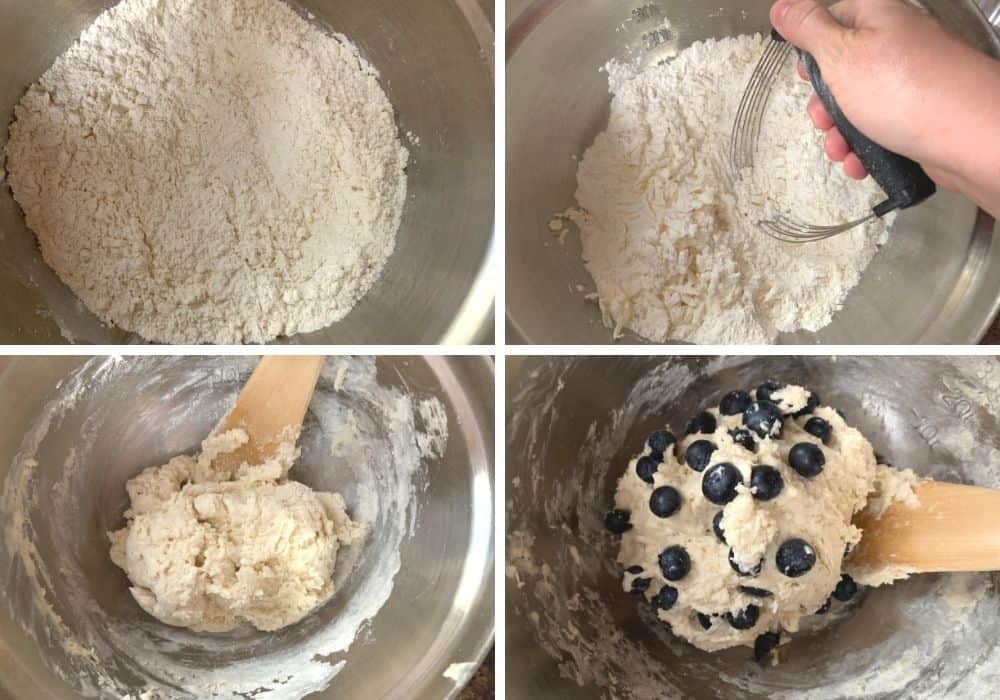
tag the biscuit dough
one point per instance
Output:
(209, 549)
(816, 509)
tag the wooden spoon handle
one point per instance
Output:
(273, 401)
(955, 528)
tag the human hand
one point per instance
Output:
(905, 82)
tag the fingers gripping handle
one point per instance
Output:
(903, 180)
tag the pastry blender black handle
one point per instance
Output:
(904, 182)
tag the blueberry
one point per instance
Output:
(766, 391)
(666, 598)
(617, 521)
(646, 467)
(765, 644)
(807, 459)
(719, 483)
(846, 589)
(639, 585)
(675, 563)
(659, 442)
(704, 620)
(812, 403)
(764, 418)
(740, 570)
(825, 607)
(717, 527)
(743, 437)
(634, 569)
(664, 501)
(818, 427)
(699, 454)
(743, 619)
(704, 422)
(795, 557)
(765, 482)
(734, 402)
(756, 592)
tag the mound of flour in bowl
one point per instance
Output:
(674, 252)
(210, 172)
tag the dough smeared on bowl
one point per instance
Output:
(739, 529)
(211, 549)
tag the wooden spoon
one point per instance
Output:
(270, 407)
(955, 528)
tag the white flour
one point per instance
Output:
(210, 172)
(671, 249)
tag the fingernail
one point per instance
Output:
(781, 9)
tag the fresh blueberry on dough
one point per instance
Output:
(818, 427)
(812, 403)
(704, 422)
(717, 527)
(699, 454)
(764, 418)
(634, 569)
(766, 482)
(617, 521)
(646, 467)
(666, 598)
(734, 403)
(846, 588)
(807, 459)
(744, 438)
(675, 563)
(765, 644)
(720, 482)
(659, 442)
(767, 390)
(664, 501)
(737, 537)
(795, 558)
(743, 619)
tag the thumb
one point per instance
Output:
(807, 24)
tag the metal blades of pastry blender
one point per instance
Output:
(743, 145)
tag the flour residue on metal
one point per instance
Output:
(113, 417)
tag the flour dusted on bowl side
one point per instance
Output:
(671, 244)
(210, 172)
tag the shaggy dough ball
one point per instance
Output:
(209, 549)
(740, 529)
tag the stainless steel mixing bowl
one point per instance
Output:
(435, 61)
(573, 424)
(936, 281)
(94, 424)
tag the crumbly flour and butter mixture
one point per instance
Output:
(673, 247)
(209, 548)
(739, 530)
(215, 172)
